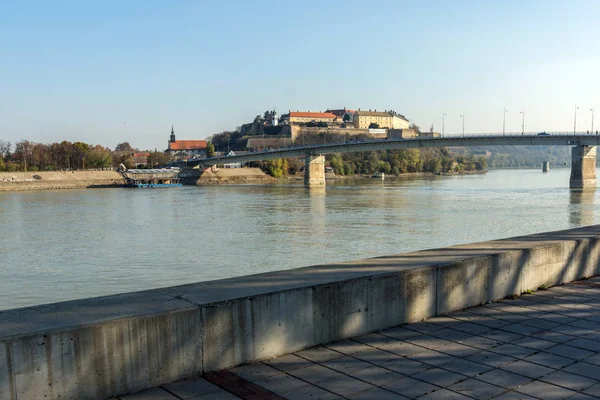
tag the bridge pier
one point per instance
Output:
(314, 170)
(583, 167)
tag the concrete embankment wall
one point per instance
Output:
(47, 180)
(96, 348)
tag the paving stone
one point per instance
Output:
(376, 356)
(347, 364)
(573, 330)
(513, 396)
(569, 381)
(471, 328)
(491, 359)
(281, 384)
(315, 373)
(377, 394)
(151, 394)
(377, 376)
(585, 324)
(451, 335)
(558, 318)
(220, 395)
(593, 391)
(581, 396)
(468, 368)
(313, 393)
(521, 329)
(534, 343)
(402, 348)
(528, 369)
(569, 352)
(477, 389)
(546, 391)
(375, 340)
(585, 344)
(432, 357)
(504, 379)
(254, 372)
(443, 321)
(399, 333)
(550, 360)
(458, 350)
(595, 359)
(443, 394)
(193, 387)
(481, 342)
(512, 317)
(345, 386)
(502, 336)
(439, 377)
(584, 369)
(406, 366)
(423, 327)
(428, 342)
(410, 387)
(288, 362)
(493, 323)
(319, 354)
(513, 351)
(348, 346)
(540, 323)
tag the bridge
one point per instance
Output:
(583, 169)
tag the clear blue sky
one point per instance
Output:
(110, 71)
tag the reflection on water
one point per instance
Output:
(581, 207)
(60, 245)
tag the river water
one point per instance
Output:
(69, 244)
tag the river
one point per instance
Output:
(68, 244)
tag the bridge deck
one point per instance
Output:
(543, 345)
(559, 139)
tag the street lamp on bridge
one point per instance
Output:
(523, 123)
(443, 115)
(575, 120)
(592, 110)
(463, 123)
(504, 121)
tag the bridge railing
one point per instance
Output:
(453, 136)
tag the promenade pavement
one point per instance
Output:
(543, 345)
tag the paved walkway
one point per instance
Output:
(544, 345)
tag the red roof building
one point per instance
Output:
(183, 149)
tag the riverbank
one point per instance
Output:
(51, 180)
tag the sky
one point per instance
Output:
(105, 72)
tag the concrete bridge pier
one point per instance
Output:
(314, 170)
(583, 167)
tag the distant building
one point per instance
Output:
(184, 149)
(140, 159)
(298, 117)
(344, 114)
(234, 164)
(385, 119)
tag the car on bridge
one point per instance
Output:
(543, 134)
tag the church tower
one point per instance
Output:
(275, 120)
(172, 140)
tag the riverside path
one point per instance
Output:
(542, 345)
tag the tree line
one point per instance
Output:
(30, 156)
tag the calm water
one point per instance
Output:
(68, 244)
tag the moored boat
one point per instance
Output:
(151, 178)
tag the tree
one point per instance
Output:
(98, 157)
(210, 149)
(373, 125)
(346, 117)
(157, 158)
(125, 146)
(415, 128)
(276, 168)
